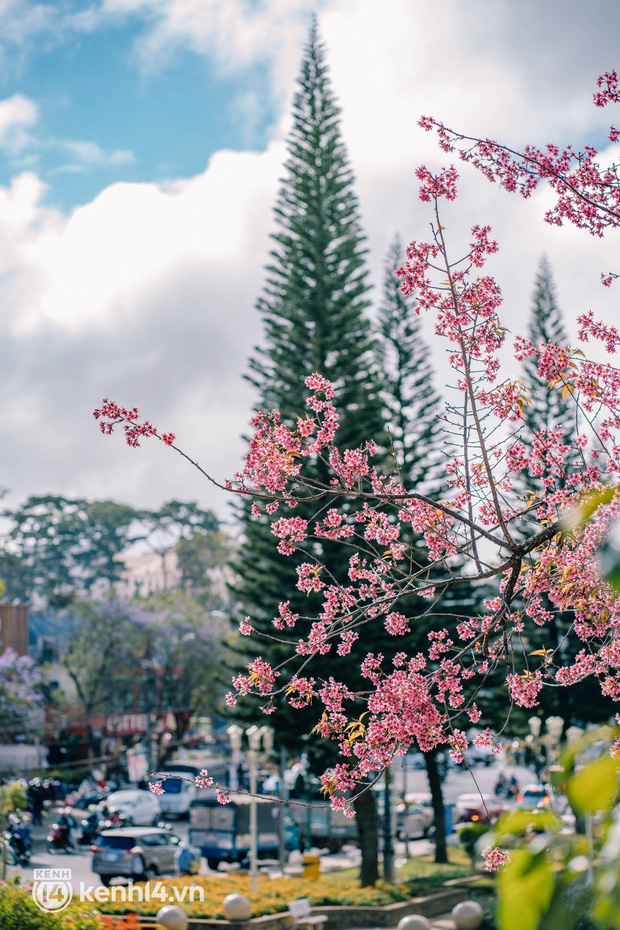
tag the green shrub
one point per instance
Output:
(469, 836)
(18, 911)
(12, 797)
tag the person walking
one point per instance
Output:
(187, 859)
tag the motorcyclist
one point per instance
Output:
(34, 795)
(66, 823)
(20, 833)
(90, 827)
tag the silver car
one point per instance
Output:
(140, 853)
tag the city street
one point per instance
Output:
(79, 862)
(456, 782)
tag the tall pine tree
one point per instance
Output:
(316, 294)
(313, 309)
(548, 409)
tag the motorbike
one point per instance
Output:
(59, 839)
(90, 828)
(110, 818)
(506, 789)
(19, 843)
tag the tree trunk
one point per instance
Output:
(389, 869)
(365, 807)
(434, 782)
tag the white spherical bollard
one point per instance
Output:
(467, 915)
(413, 922)
(237, 907)
(172, 917)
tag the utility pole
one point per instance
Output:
(389, 872)
(283, 796)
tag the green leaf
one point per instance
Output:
(592, 500)
(525, 889)
(594, 788)
(525, 821)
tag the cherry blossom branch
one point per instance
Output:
(470, 388)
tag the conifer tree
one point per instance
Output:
(316, 295)
(313, 308)
(547, 408)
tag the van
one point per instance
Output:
(178, 792)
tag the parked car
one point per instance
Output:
(475, 755)
(140, 853)
(415, 816)
(531, 796)
(477, 808)
(136, 807)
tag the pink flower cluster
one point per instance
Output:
(112, 414)
(494, 858)
(588, 195)
(203, 780)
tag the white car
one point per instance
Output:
(139, 808)
(478, 808)
(416, 816)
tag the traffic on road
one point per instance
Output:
(125, 835)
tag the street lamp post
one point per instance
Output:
(234, 735)
(389, 873)
(255, 735)
(552, 738)
(535, 724)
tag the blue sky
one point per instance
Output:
(145, 291)
(105, 116)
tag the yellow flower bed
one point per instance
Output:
(272, 897)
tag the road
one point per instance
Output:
(79, 862)
(458, 781)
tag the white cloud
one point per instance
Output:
(17, 115)
(146, 295)
(91, 154)
(133, 237)
(236, 33)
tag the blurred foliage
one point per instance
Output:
(12, 797)
(272, 896)
(18, 911)
(469, 836)
(557, 880)
(58, 549)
